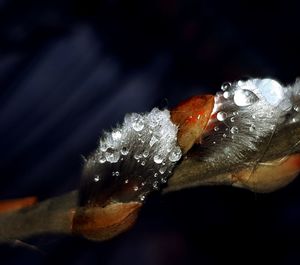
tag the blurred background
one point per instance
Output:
(70, 69)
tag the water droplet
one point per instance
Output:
(137, 122)
(214, 142)
(142, 197)
(271, 90)
(216, 128)
(226, 94)
(155, 175)
(296, 108)
(137, 156)
(226, 86)
(103, 146)
(294, 120)
(232, 119)
(143, 184)
(124, 151)
(154, 117)
(224, 135)
(155, 185)
(112, 155)
(252, 128)
(244, 97)
(116, 135)
(175, 154)
(221, 116)
(164, 180)
(126, 181)
(162, 170)
(102, 159)
(158, 159)
(143, 163)
(115, 173)
(96, 178)
(234, 130)
(135, 188)
(153, 141)
(254, 116)
(146, 153)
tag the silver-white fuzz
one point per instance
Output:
(140, 154)
(248, 113)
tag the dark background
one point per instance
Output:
(69, 69)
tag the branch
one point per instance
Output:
(273, 162)
(193, 172)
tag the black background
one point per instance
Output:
(69, 69)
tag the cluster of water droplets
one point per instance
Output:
(141, 152)
(246, 112)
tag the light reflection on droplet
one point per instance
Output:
(221, 116)
(234, 130)
(244, 97)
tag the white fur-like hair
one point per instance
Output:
(248, 113)
(131, 160)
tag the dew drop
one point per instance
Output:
(216, 128)
(244, 97)
(143, 163)
(142, 197)
(155, 185)
(96, 178)
(116, 135)
(234, 130)
(154, 117)
(124, 151)
(175, 154)
(296, 108)
(158, 159)
(116, 173)
(224, 135)
(232, 119)
(164, 180)
(153, 141)
(162, 170)
(155, 175)
(126, 181)
(103, 146)
(146, 153)
(226, 94)
(102, 159)
(252, 128)
(137, 122)
(135, 188)
(137, 156)
(221, 116)
(225, 86)
(112, 155)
